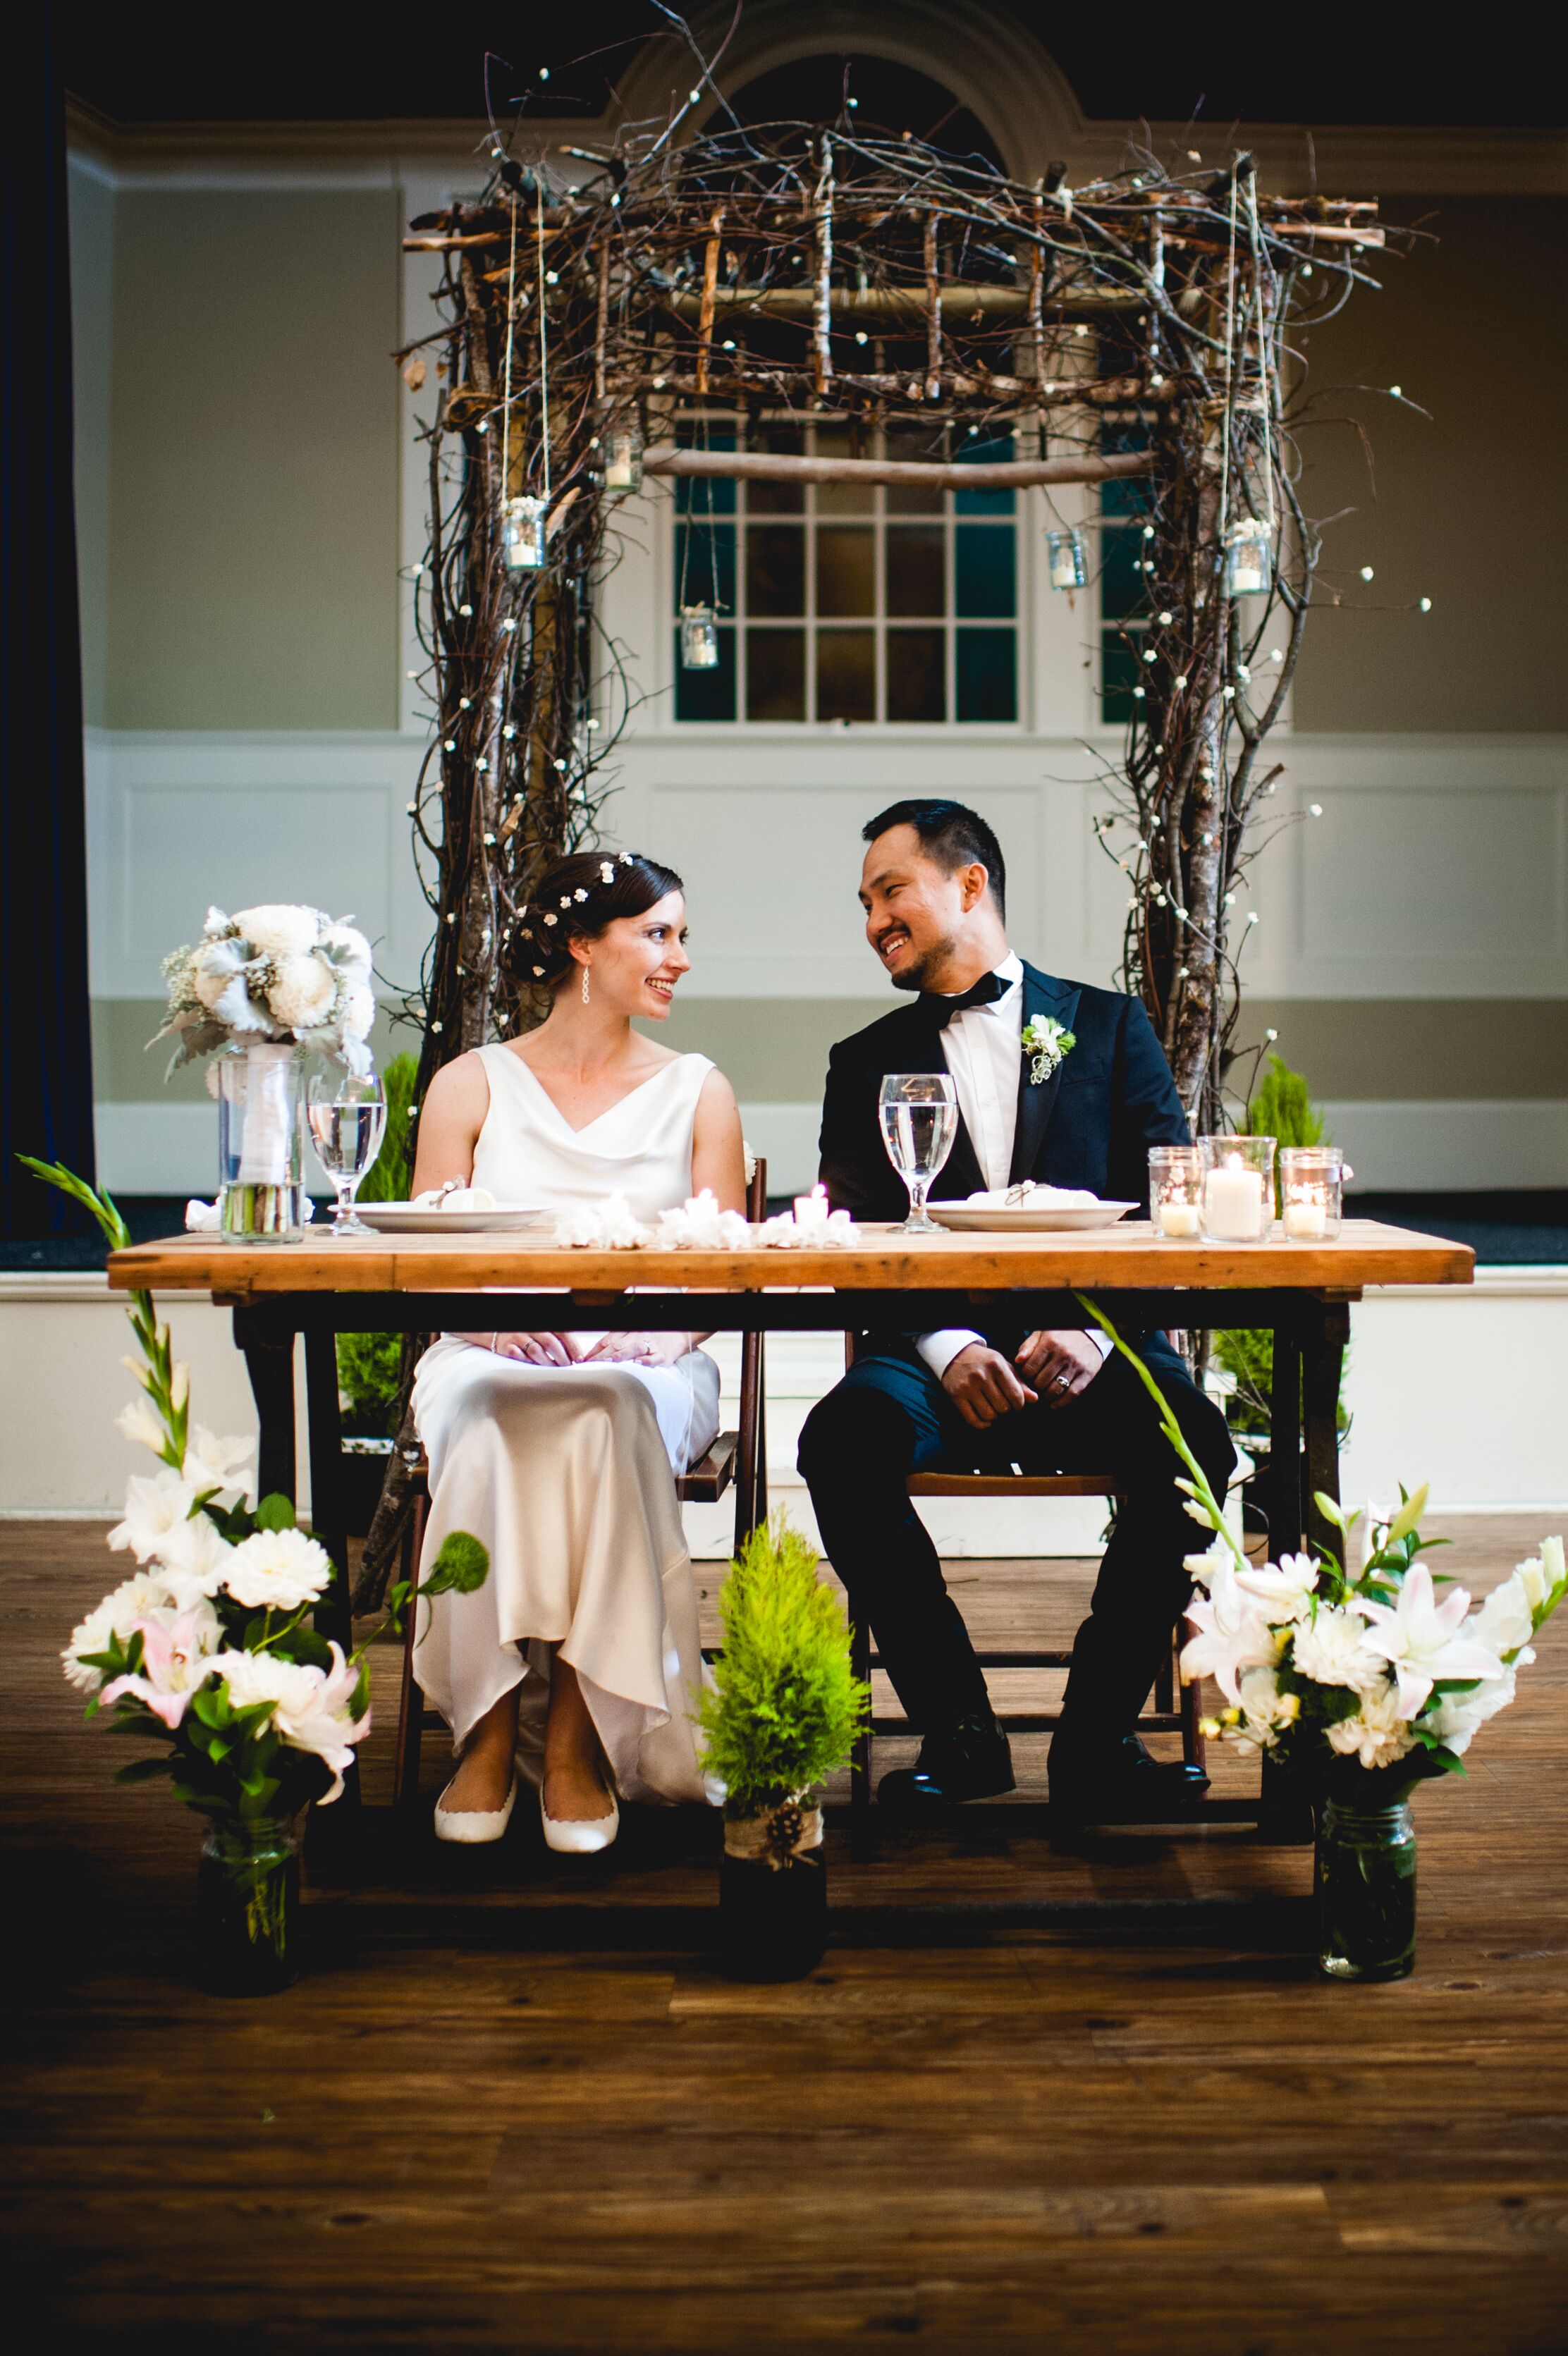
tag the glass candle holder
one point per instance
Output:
(523, 534)
(1063, 552)
(623, 465)
(1248, 559)
(699, 639)
(1238, 1188)
(1312, 1191)
(1175, 1191)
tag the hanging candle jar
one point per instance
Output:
(623, 466)
(699, 639)
(523, 534)
(1248, 559)
(1064, 552)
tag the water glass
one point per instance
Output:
(1175, 1191)
(1312, 1185)
(348, 1117)
(1238, 1188)
(920, 1122)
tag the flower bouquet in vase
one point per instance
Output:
(204, 1652)
(1360, 1681)
(783, 1713)
(266, 986)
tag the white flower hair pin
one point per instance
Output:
(1047, 1043)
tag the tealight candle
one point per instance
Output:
(1180, 1219)
(1307, 1222)
(812, 1210)
(1233, 1203)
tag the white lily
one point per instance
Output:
(1458, 1717)
(118, 1614)
(1506, 1621)
(1284, 1589)
(1422, 1639)
(153, 1508)
(311, 1705)
(1230, 1635)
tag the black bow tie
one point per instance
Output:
(983, 992)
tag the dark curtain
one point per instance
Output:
(46, 1059)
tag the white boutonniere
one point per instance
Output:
(1046, 1042)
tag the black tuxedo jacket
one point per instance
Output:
(1090, 1124)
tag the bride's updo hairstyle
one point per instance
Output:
(578, 899)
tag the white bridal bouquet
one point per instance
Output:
(279, 973)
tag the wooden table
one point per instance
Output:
(888, 1282)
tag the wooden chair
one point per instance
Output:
(737, 1459)
(1169, 1715)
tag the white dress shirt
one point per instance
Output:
(983, 1046)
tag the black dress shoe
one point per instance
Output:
(1119, 1783)
(969, 1760)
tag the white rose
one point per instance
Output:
(277, 930)
(303, 992)
(277, 1570)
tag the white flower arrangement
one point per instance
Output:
(698, 1225)
(1333, 1670)
(276, 972)
(1047, 1043)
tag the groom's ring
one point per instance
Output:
(1061, 1383)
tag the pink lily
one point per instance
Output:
(177, 1657)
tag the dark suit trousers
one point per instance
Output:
(890, 1417)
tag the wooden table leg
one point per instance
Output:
(268, 1350)
(328, 1514)
(1323, 1361)
(1285, 1445)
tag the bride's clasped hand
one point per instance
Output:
(579, 1659)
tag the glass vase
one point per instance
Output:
(1364, 1885)
(247, 1895)
(261, 1152)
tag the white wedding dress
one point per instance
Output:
(565, 1474)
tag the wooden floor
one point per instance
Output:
(1028, 2101)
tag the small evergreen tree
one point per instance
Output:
(787, 1708)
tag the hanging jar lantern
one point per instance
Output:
(699, 639)
(1248, 559)
(523, 534)
(1064, 550)
(623, 466)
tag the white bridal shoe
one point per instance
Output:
(579, 1840)
(475, 1824)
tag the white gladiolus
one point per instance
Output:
(277, 1570)
(153, 1508)
(301, 993)
(118, 1614)
(1542, 1573)
(142, 1422)
(1505, 1622)
(193, 1561)
(214, 1464)
(1230, 1635)
(1378, 1734)
(179, 1383)
(1332, 1649)
(276, 930)
(1283, 1588)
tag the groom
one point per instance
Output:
(934, 887)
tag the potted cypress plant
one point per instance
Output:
(783, 1713)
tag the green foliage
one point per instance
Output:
(1283, 1108)
(387, 1179)
(369, 1365)
(786, 1709)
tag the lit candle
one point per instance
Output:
(1233, 1203)
(1307, 1220)
(1246, 576)
(1180, 1220)
(812, 1210)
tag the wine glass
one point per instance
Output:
(348, 1115)
(920, 1122)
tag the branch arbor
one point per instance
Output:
(1134, 335)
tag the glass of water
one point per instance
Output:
(348, 1116)
(919, 1122)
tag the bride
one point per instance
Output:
(580, 1652)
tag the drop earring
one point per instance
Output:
(584, 985)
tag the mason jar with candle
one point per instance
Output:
(623, 464)
(1312, 1192)
(699, 639)
(1175, 1191)
(1063, 552)
(1238, 1188)
(523, 534)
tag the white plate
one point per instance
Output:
(409, 1219)
(980, 1218)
